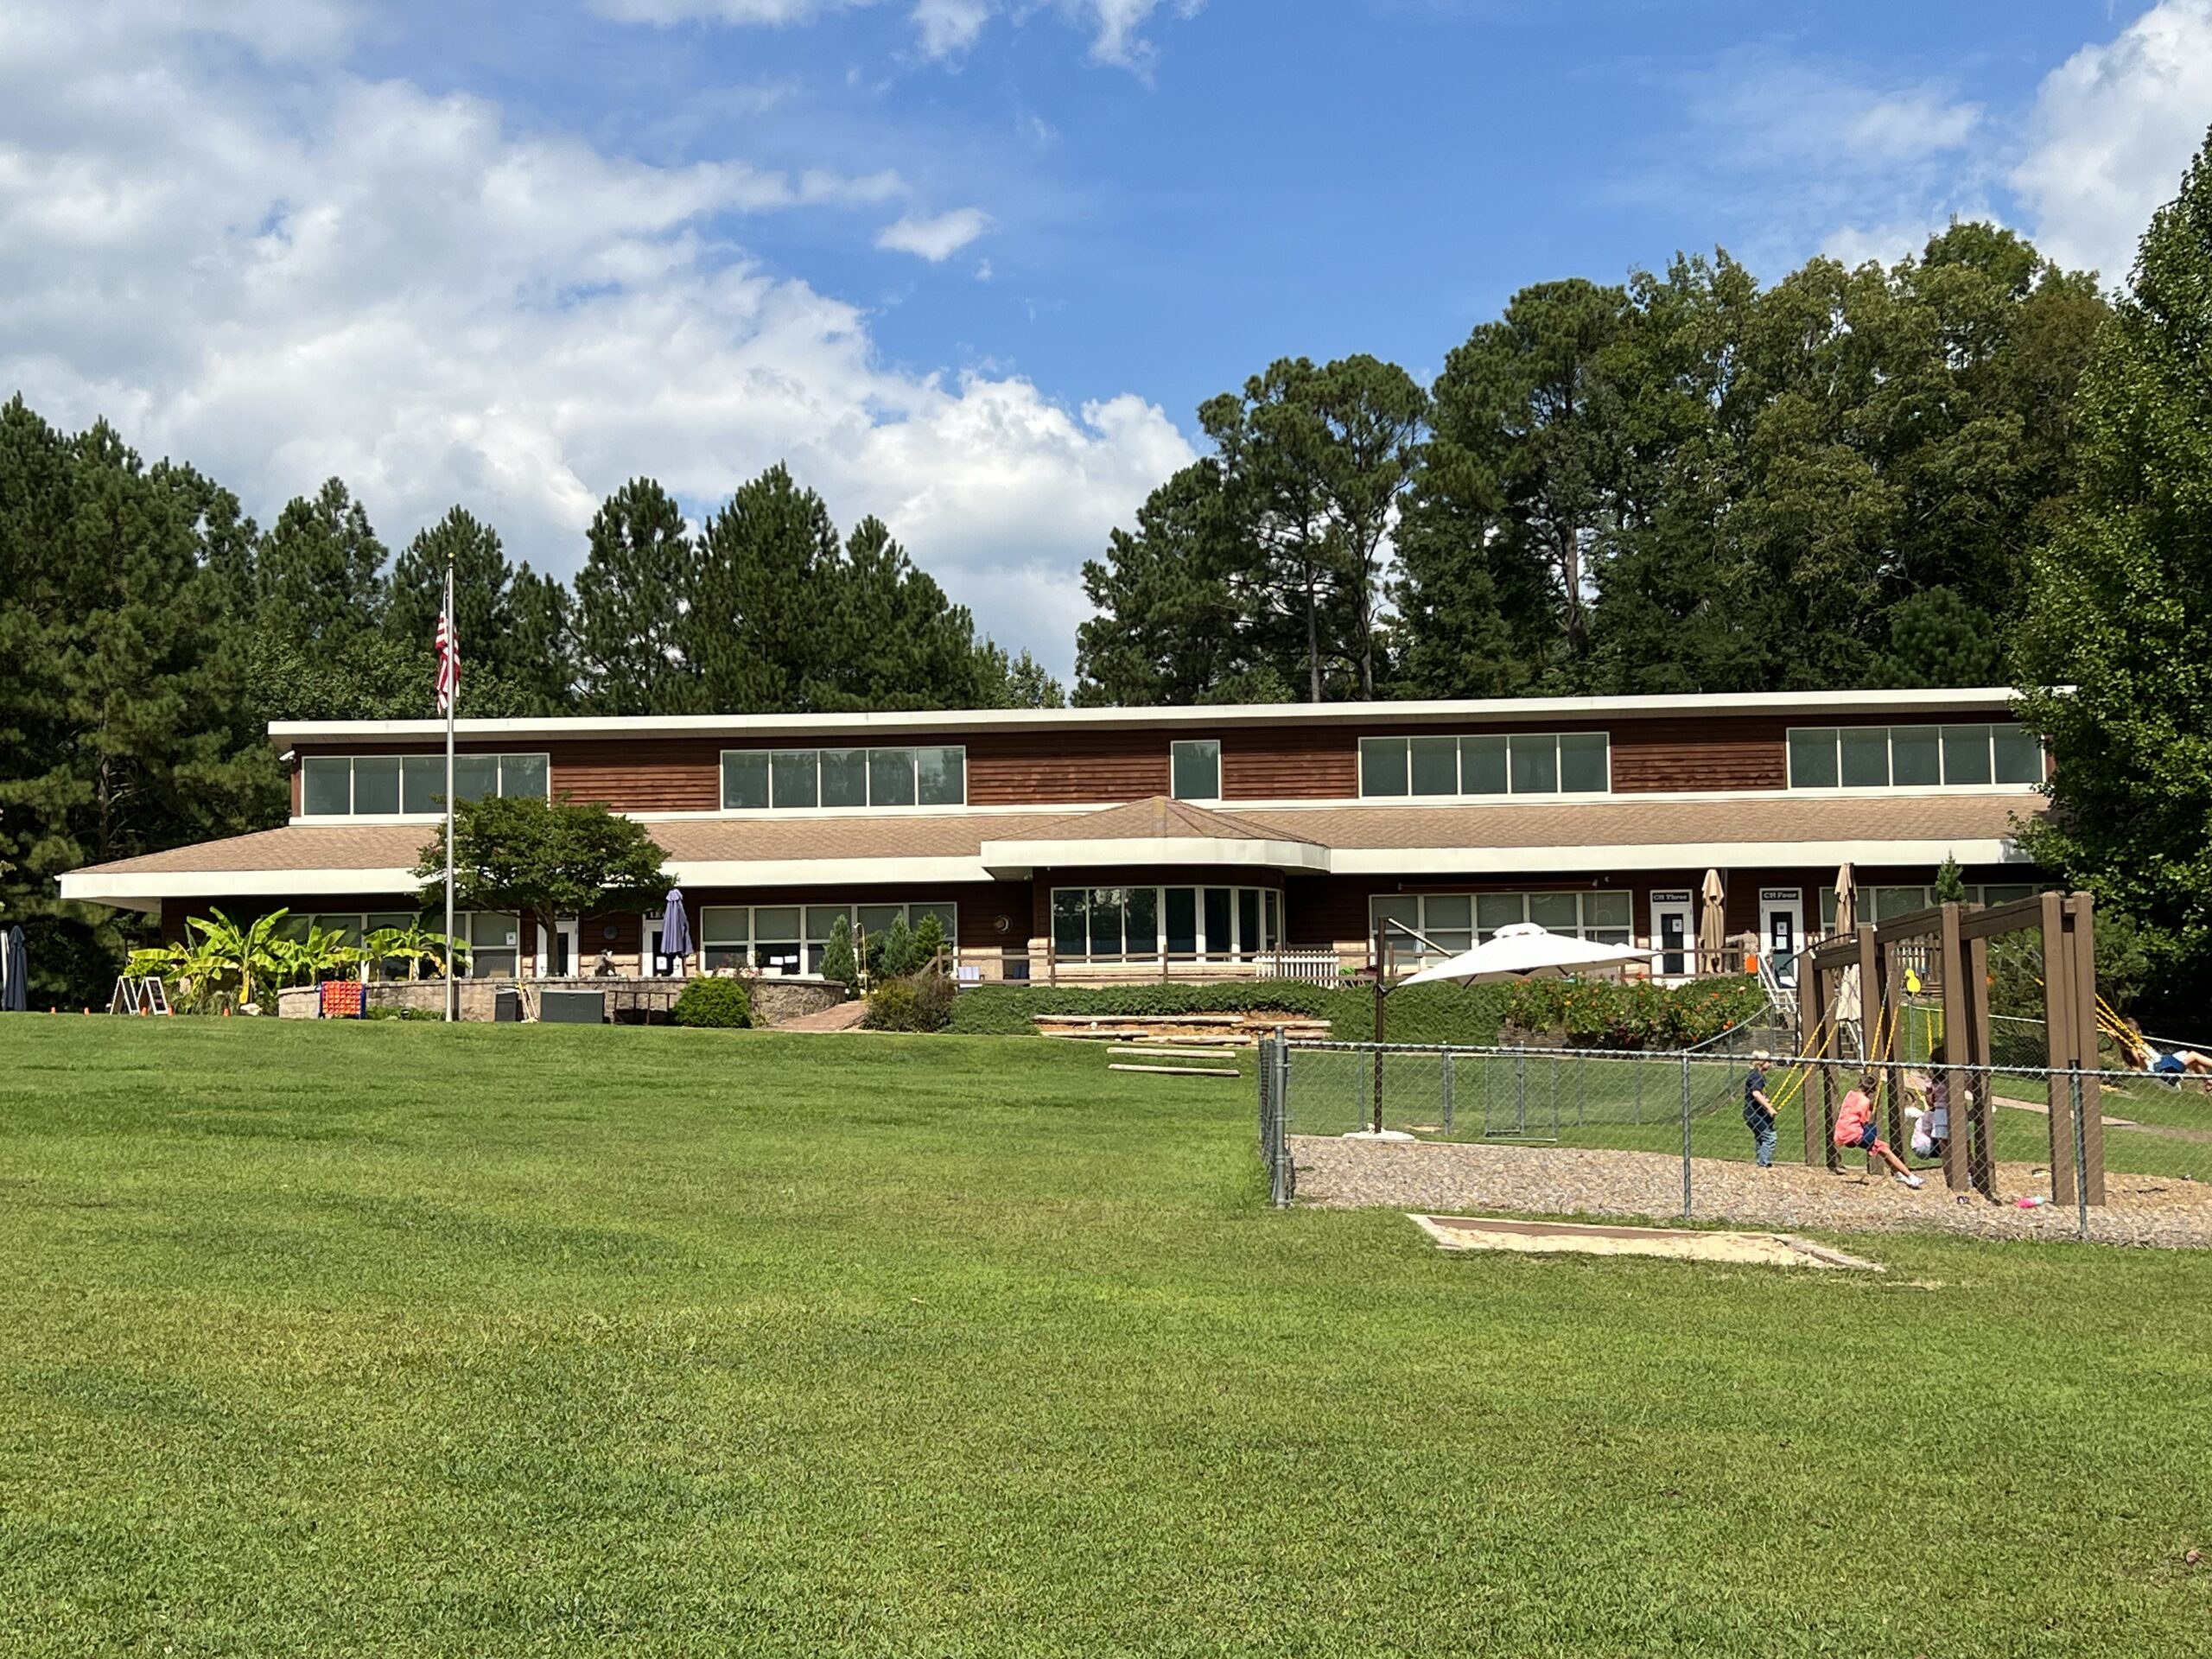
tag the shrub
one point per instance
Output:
(1607, 1014)
(837, 962)
(389, 1012)
(917, 1003)
(717, 1004)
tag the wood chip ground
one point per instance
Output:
(1336, 1173)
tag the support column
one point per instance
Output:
(2060, 1047)
(1952, 965)
(1808, 1038)
(2081, 908)
(1974, 1125)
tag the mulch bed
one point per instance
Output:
(1439, 1175)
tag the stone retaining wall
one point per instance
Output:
(774, 1000)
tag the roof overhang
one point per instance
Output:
(1547, 860)
(144, 890)
(1014, 860)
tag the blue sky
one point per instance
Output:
(968, 264)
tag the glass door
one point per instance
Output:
(1673, 933)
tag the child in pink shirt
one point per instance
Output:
(1855, 1129)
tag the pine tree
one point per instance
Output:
(318, 573)
(2114, 642)
(837, 962)
(122, 724)
(630, 601)
(757, 626)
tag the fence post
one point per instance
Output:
(1638, 1069)
(1447, 1091)
(1520, 1094)
(1686, 1137)
(2083, 1104)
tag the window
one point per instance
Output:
(494, 945)
(794, 938)
(367, 786)
(1539, 763)
(760, 780)
(1453, 922)
(1912, 757)
(1887, 904)
(1137, 923)
(1195, 770)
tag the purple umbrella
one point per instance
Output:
(675, 928)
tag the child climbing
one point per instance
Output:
(1855, 1129)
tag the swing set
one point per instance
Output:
(1859, 992)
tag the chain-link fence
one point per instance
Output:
(1811, 1142)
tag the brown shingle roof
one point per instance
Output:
(1616, 823)
(1156, 818)
(1629, 822)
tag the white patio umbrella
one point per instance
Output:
(1523, 951)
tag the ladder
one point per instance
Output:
(146, 995)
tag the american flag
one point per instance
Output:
(448, 661)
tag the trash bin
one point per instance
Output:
(572, 1008)
(506, 1004)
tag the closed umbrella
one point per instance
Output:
(14, 981)
(1846, 901)
(1524, 950)
(676, 930)
(1712, 923)
(1848, 1009)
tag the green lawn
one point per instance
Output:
(392, 1339)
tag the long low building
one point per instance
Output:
(1101, 843)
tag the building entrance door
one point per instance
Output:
(1781, 930)
(1674, 933)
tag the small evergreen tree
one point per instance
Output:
(928, 941)
(898, 950)
(837, 962)
(1950, 883)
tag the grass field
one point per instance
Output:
(335, 1339)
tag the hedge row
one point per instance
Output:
(1424, 1013)
(1606, 1014)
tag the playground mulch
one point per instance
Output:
(1335, 1173)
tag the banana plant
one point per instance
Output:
(415, 945)
(246, 957)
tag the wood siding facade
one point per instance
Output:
(1085, 766)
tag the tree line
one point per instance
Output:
(1686, 482)
(150, 629)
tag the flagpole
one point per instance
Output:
(452, 703)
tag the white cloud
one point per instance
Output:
(946, 29)
(934, 239)
(950, 27)
(2112, 130)
(1785, 155)
(776, 13)
(1114, 25)
(281, 277)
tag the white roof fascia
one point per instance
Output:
(1744, 856)
(144, 890)
(1210, 851)
(1489, 711)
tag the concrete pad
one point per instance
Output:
(1676, 1243)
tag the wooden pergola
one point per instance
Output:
(1950, 945)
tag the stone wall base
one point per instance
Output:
(774, 1000)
